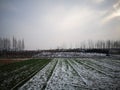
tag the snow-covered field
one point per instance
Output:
(76, 74)
(68, 54)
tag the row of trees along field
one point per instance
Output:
(13, 44)
(108, 44)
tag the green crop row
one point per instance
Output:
(11, 75)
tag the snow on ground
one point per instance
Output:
(64, 77)
(40, 79)
(76, 74)
(69, 54)
(95, 78)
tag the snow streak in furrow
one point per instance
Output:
(111, 62)
(98, 79)
(74, 67)
(108, 67)
(105, 65)
(112, 70)
(73, 74)
(40, 79)
(64, 77)
(97, 68)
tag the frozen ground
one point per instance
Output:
(77, 74)
(68, 54)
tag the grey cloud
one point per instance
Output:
(113, 13)
(50, 23)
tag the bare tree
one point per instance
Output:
(14, 44)
(23, 45)
(19, 45)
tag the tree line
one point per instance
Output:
(108, 44)
(7, 44)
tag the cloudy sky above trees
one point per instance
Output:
(48, 24)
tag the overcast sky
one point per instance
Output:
(48, 24)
